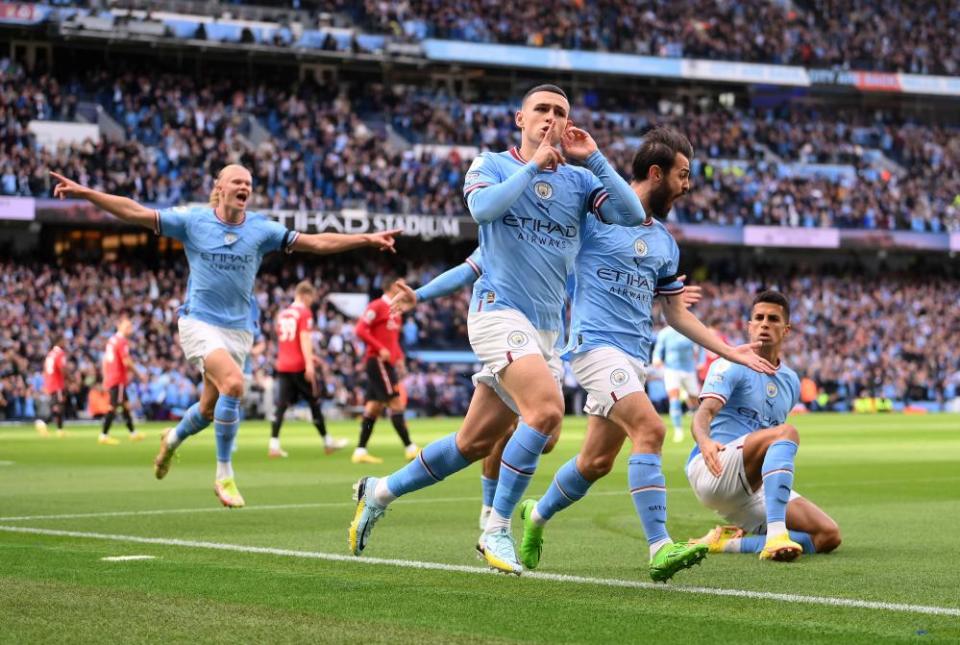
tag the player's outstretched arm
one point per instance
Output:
(623, 206)
(681, 319)
(120, 207)
(444, 284)
(328, 243)
(489, 202)
(702, 418)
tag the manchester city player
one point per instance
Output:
(531, 206)
(619, 271)
(224, 244)
(678, 356)
(742, 466)
(446, 283)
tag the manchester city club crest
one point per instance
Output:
(517, 339)
(771, 390)
(544, 190)
(618, 377)
(229, 238)
(640, 247)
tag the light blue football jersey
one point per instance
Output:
(751, 400)
(529, 250)
(676, 350)
(257, 333)
(224, 259)
(618, 272)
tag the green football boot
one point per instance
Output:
(675, 557)
(531, 544)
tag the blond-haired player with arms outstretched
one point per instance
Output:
(225, 244)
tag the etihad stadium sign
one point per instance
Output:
(427, 227)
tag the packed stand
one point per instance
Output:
(854, 335)
(322, 153)
(920, 38)
(84, 302)
(858, 335)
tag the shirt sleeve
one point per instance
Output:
(796, 392)
(278, 237)
(611, 198)
(722, 379)
(306, 322)
(475, 260)
(667, 282)
(172, 222)
(363, 330)
(487, 195)
(449, 281)
(123, 353)
(482, 173)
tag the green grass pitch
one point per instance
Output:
(892, 483)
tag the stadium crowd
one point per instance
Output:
(323, 151)
(886, 335)
(919, 38)
(913, 37)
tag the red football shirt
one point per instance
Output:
(379, 329)
(704, 367)
(53, 370)
(116, 357)
(291, 322)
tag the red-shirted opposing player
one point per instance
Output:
(53, 384)
(296, 370)
(117, 367)
(379, 329)
(710, 357)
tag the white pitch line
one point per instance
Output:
(6, 463)
(437, 566)
(246, 509)
(127, 558)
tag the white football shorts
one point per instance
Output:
(499, 338)
(729, 494)
(199, 339)
(679, 380)
(608, 375)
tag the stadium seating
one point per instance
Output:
(914, 37)
(315, 150)
(847, 352)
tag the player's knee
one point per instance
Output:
(656, 431)
(232, 386)
(476, 448)
(206, 409)
(827, 539)
(547, 418)
(596, 466)
(551, 443)
(789, 433)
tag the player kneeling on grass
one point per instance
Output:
(742, 466)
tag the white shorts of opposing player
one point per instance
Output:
(680, 380)
(729, 494)
(501, 337)
(199, 339)
(608, 375)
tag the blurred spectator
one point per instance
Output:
(323, 155)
